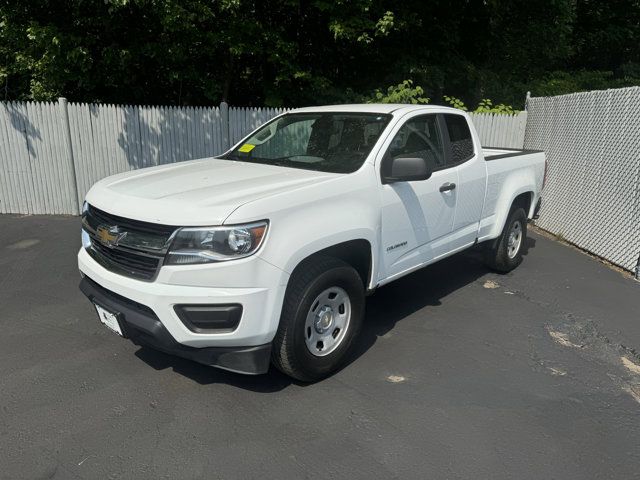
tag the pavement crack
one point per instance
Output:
(634, 391)
(562, 339)
(490, 284)
(630, 365)
(583, 336)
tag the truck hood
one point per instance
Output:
(199, 192)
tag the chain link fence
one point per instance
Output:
(592, 195)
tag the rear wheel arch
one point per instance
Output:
(505, 253)
(524, 201)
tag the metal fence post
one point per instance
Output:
(226, 138)
(64, 116)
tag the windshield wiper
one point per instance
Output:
(278, 162)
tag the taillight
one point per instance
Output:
(546, 168)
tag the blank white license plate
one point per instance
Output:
(109, 319)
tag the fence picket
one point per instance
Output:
(35, 168)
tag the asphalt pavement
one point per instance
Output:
(459, 373)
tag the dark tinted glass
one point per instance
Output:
(460, 137)
(419, 137)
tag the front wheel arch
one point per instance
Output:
(358, 253)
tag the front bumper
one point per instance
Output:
(254, 284)
(140, 324)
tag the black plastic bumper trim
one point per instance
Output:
(140, 325)
(536, 211)
(214, 318)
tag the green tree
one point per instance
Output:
(299, 52)
(404, 92)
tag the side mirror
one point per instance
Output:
(407, 169)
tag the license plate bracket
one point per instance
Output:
(109, 319)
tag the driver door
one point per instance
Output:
(418, 216)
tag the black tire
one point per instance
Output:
(290, 353)
(497, 256)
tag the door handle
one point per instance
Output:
(445, 187)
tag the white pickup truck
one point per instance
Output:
(265, 254)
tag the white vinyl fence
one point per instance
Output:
(592, 143)
(52, 152)
(504, 131)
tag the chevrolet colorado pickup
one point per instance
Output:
(265, 254)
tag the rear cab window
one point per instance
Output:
(460, 138)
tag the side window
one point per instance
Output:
(419, 137)
(460, 137)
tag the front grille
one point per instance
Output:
(125, 262)
(140, 249)
(102, 217)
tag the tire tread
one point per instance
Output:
(496, 256)
(282, 353)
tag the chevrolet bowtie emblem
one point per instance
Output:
(110, 236)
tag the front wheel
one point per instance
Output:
(322, 314)
(505, 253)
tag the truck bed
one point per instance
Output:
(509, 170)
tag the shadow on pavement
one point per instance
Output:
(389, 305)
(273, 381)
(425, 287)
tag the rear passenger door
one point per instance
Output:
(472, 176)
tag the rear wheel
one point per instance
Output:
(322, 314)
(505, 253)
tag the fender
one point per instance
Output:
(335, 241)
(502, 189)
(503, 213)
(308, 220)
(288, 255)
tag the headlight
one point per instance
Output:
(215, 244)
(86, 239)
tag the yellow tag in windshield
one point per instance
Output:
(246, 148)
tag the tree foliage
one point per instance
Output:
(484, 106)
(297, 52)
(404, 92)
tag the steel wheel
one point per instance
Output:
(515, 239)
(327, 321)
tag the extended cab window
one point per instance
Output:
(328, 142)
(460, 137)
(419, 137)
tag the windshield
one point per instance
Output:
(329, 142)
